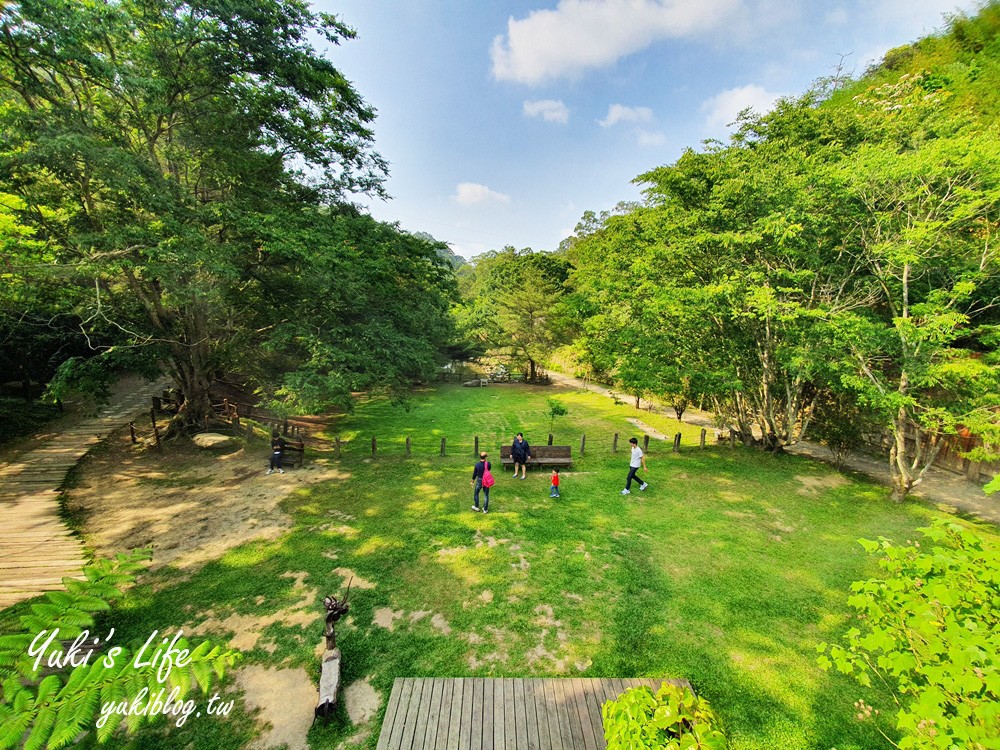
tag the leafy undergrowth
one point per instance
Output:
(727, 571)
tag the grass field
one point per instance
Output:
(727, 571)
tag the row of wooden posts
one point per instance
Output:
(583, 444)
(225, 409)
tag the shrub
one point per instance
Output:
(672, 719)
(930, 631)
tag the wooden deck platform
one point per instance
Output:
(477, 713)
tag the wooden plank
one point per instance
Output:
(444, 719)
(476, 710)
(489, 707)
(499, 722)
(455, 723)
(423, 714)
(592, 707)
(568, 720)
(412, 712)
(399, 723)
(552, 717)
(520, 716)
(534, 739)
(388, 721)
(433, 711)
(467, 703)
(510, 726)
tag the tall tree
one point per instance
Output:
(164, 149)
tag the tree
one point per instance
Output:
(182, 159)
(515, 305)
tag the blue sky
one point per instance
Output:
(504, 121)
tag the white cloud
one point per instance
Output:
(580, 35)
(721, 109)
(620, 113)
(550, 110)
(471, 194)
(650, 137)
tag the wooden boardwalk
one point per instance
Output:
(476, 713)
(37, 550)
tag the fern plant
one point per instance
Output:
(56, 686)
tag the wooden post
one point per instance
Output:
(677, 443)
(407, 446)
(336, 447)
(583, 442)
(131, 431)
(475, 450)
(225, 408)
(156, 432)
(732, 438)
(442, 446)
(550, 438)
(614, 445)
(645, 443)
(703, 431)
(373, 446)
(285, 428)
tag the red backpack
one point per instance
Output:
(488, 480)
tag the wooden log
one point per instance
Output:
(475, 449)
(550, 438)
(703, 432)
(442, 446)
(329, 683)
(407, 446)
(583, 442)
(614, 445)
(131, 432)
(677, 443)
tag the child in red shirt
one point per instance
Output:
(555, 483)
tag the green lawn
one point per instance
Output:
(727, 571)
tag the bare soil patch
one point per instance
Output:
(190, 506)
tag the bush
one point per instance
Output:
(930, 631)
(672, 719)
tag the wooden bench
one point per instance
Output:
(295, 453)
(543, 455)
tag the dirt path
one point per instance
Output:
(37, 550)
(941, 488)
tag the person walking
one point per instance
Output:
(638, 459)
(555, 483)
(277, 452)
(482, 479)
(520, 451)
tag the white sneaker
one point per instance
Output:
(626, 492)
(281, 471)
(644, 486)
(270, 471)
(476, 508)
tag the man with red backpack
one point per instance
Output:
(482, 479)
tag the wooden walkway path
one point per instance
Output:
(37, 550)
(476, 713)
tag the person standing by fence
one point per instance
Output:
(482, 479)
(637, 459)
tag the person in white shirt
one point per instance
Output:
(638, 459)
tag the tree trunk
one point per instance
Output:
(531, 370)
